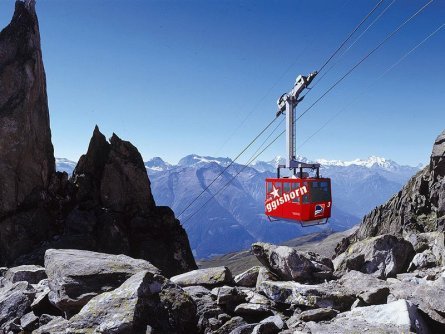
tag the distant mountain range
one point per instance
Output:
(234, 218)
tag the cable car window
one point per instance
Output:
(305, 197)
(286, 187)
(269, 187)
(320, 192)
(295, 186)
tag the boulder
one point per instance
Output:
(253, 310)
(231, 325)
(206, 307)
(270, 325)
(209, 277)
(29, 273)
(400, 316)
(290, 264)
(256, 298)
(76, 276)
(244, 329)
(46, 318)
(145, 299)
(426, 259)
(426, 295)
(247, 278)
(41, 304)
(265, 275)
(15, 302)
(367, 288)
(317, 315)
(229, 297)
(310, 296)
(382, 256)
(29, 322)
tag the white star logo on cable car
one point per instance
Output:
(275, 192)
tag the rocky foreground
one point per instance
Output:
(381, 285)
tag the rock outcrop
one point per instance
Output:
(27, 158)
(107, 205)
(418, 207)
(76, 276)
(290, 264)
(382, 256)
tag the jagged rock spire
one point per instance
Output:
(27, 155)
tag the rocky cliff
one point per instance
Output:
(27, 158)
(106, 206)
(418, 207)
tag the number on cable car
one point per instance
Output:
(304, 200)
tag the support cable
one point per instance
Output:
(227, 167)
(387, 38)
(377, 80)
(256, 155)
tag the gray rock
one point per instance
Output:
(29, 321)
(245, 329)
(206, 307)
(318, 314)
(360, 303)
(265, 275)
(382, 256)
(253, 310)
(46, 318)
(427, 296)
(275, 319)
(312, 296)
(256, 298)
(76, 276)
(290, 264)
(375, 296)
(426, 259)
(145, 299)
(270, 325)
(230, 297)
(396, 317)
(247, 278)
(230, 326)
(29, 273)
(15, 302)
(367, 288)
(209, 277)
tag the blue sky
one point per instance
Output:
(179, 77)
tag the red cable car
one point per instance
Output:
(305, 199)
(299, 198)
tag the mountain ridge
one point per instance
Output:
(234, 218)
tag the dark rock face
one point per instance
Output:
(107, 206)
(418, 207)
(27, 158)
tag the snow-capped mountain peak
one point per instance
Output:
(65, 165)
(370, 162)
(156, 164)
(194, 159)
